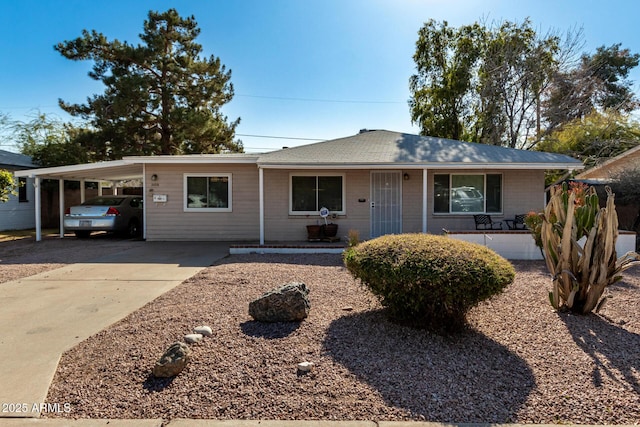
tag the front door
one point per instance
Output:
(386, 203)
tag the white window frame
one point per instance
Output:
(185, 201)
(317, 174)
(484, 179)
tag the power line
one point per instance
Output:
(340, 101)
(280, 137)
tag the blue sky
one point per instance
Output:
(300, 68)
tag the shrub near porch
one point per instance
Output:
(428, 281)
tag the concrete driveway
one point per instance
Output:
(44, 315)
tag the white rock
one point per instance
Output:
(305, 366)
(193, 338)
(203, 330)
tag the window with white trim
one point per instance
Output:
(207, 192)
(467, 193)
(308, 193)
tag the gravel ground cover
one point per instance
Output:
(519, 361)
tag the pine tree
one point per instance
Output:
(161, 96)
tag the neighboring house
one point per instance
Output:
(376, 182)
(18, 212)
(604, 172)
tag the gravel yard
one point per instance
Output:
(518, 362)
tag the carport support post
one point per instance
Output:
(261, 202)
(82, 192)
(36, 184)
(61, 205)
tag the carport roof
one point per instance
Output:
(115, 170)
(128, 167)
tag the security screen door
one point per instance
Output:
(386, 203)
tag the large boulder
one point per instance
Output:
(288, 303)
(173, 361)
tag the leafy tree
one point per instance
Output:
(626, 185)
(8, 185)
(594, 137)
(481, 84)
(446, 59)
(516, 67)
(161, 97)
(600, 82)
(50, 142)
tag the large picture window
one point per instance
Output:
(471, 193)
(207, 192)
(309, 193)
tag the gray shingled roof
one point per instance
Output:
(15, 160)
(382, 147)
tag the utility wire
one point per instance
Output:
(340, 101)
(279, 137)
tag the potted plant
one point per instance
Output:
(314, 232)
(329, 230)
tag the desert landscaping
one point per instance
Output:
(518, 361)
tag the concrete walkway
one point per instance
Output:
(44, 315)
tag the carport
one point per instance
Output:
(116, 170)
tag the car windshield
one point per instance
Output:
(104, 201)
(466, 193)
(469, 193)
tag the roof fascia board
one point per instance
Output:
(194, 160)
(543, 166)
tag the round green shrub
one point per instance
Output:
(428, 281)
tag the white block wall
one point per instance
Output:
(521, 246)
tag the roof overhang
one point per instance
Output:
(419, 166)
(133, 167)
(195, 159)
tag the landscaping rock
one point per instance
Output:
(193, 338)
(305, 366)
(289, 303)
(203, 330)
(173, 361)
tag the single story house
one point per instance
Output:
(17, 212)
(376, 182)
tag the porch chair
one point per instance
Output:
(484, 222)
(517, 223)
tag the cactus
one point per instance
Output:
(578, 243)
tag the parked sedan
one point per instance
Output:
(118, 214)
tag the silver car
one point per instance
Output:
(118, 214)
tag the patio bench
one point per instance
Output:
(517, 223)
(484, 222)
